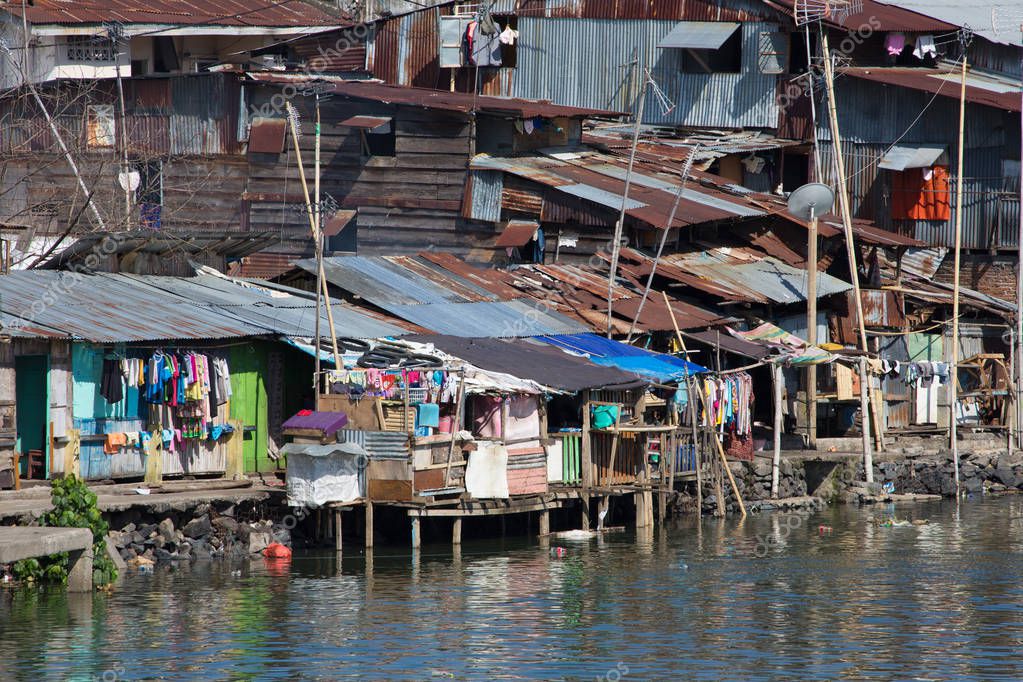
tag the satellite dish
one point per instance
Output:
(129, 180)
(810, 201)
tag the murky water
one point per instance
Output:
(775, 598)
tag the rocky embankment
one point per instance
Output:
(207, 531)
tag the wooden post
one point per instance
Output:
(545, 523)
(369, 524)
(614, 450)
(456, 531)
(697, 450)
(417, 537)
(235, 447)
(73, 453)
(777, 376)
(811, 332)
(154, 459)
(953, 384)
(337, 531)
(585, 509)
(868, 459)
(455, 426)
(586, 447)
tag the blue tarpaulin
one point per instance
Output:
(611, 353)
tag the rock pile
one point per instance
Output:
(199, 533)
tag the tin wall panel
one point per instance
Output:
(991, 201)
(589, 63)
(486, 195)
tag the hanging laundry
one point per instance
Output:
(114, 442)
(894, 44)
(487, 25)
(925, 47)
(112, 380)
(485, 50)
(509, 35)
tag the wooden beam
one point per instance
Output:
(487, 511)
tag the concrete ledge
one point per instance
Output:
(24, 542)
(21, 542)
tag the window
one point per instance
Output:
(725, 59)
(90, 49)
(100, 130)
(774, 53)
(380, 143)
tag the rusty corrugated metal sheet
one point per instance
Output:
(266, 135)
(337, 51)
(881, 308)
(690, 10)
(209, 12)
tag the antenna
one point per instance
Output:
(809, 11)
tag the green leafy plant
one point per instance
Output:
(74, 506)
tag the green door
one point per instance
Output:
(32, 393)
(248, 366)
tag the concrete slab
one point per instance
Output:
(20, 542)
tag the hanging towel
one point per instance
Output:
(114, 442)
(925, 47)
(428, 414)
(894, 44)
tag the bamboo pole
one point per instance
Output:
(315, 228)
(811, 331)
(706, 407)
(868, 458)
(953, 384)
(776, 385)
(846, 209)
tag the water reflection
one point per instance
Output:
(696, 599)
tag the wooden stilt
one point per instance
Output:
(417, 537)
(337, 531)
(456, 531)
(369, 525)
(585, 509)
(545, 523)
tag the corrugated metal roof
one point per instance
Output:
(886, 17)
(765, 280)
(980, 88)
(923, 262)
(464, 102)
(208, 12)
(979, 15)
(487, 319)
(109, 308)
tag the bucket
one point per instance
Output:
(445, 424)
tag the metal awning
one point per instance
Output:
(699, 35)
(517, 233)
(901, 157)
(371, 124)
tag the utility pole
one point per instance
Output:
(953, 384)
